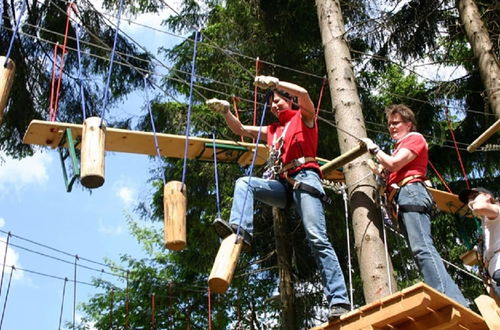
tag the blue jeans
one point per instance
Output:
(417, 229)
(274, 193)
(496, 279)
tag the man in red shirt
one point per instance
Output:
(407, 167)
(292, 171)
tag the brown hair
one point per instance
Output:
(404, 111)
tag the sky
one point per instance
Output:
(36, 209)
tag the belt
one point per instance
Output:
(308, 189)
(402, 183)
(296, 163)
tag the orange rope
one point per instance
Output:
(321, 94)
(456, 149)
(440, 177)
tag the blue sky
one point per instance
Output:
(34, 205)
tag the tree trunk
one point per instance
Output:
(479, 39)
(284, 253)
(366, 219)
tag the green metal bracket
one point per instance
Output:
(71, 153)
(225, 146)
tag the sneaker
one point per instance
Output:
(222, 228)
(336, 311)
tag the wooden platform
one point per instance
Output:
(47, 133)
(448, 202)
(418, 307)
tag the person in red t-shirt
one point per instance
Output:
(407, 167)
(292, 141)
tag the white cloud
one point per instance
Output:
(110, 229)
(2, 222)
(17, 174)
(127, 195)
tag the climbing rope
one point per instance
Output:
(14, 33)
(440, 177)
(112, 297)
(320, 98)
(209, 310)
(62, 302)
(190, 101)
(216, 173)
(255, 93)
(126, 303)
(74, 291)
(80, 79)
(269, 95)
(155, 135)
(4, 260)
(348, 237)
(106, 89)
(153, 311)
(13, 268)
(456, 149)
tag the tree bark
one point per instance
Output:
(479, 39)
(366, 219)
(284, 253)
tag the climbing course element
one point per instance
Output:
(418, 307)
(7, 72)
(92, 152)
(225, 263)
(120, 140)
(485, 136)
(174, 215)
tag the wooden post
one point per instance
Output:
(92, 152)
(345, 158)
(485, 136)
(174, 216)
(489, 310)
(225, 264)
(6, 80)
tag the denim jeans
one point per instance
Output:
(496, 282)
(417, 229)
(274, 193)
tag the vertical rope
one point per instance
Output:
(209, 310)
(80, 79)
(106, 89)
(456, 149)
(155, 135)
(4, 260)
(255, 93)
(13, 268)
(188, 125)
(74, 291)
(269, 95)
(216, 176)
(18, 23)
(153, 311)
(62, 302)
(386, 251)
(126, 305)
(321, 94)
(236, 112)
(111, 308)
(348, 235)
(440, 177)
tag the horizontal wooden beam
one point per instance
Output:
(485, 136)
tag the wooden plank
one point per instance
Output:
(490, 311)
(448, 202)
(485, 136)
(121, 140)
(417, 307)
(470, 258)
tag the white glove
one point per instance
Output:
(266, 82)
(217, 105)
(372, 147)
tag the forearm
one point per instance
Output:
(238, 128)
(304, 100)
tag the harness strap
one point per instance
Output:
(308, 189)
(415, 208)
(296, 163)
(395, 186)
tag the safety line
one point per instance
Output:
(190, 104)
(13, 268)
(216, 173)
(456, 148)
(62, 302)
(4, 260)
(18, 23)
(80, 79)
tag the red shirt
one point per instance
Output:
(416, 143)
(299, 140)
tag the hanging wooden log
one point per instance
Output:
(174, 215)
(92, 152)
(225, 264)
(6, 80)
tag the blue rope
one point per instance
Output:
(14, 33)
(188, 126)
(153, 127)
(1, 14)
(111, 62)
(269, 95)
(80, 80)
(216, 176)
